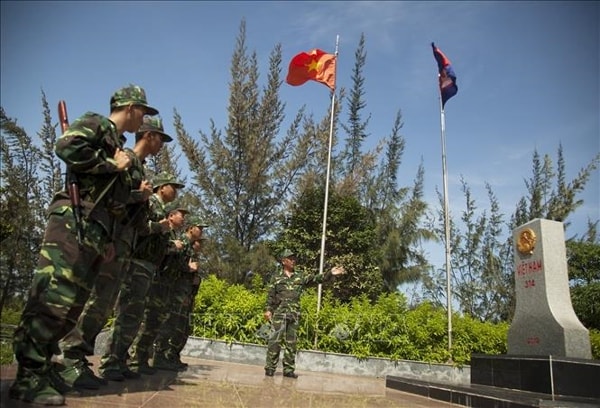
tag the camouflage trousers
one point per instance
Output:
(62, 282)
(156, 312)
(80, 341)
(189, 327)
(174, 332)
(129, 313)
(285, 327)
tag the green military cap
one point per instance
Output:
(153, 124)
(164, 178)
(287, 254)
(175, 206)
(195, 221)
(131, 94)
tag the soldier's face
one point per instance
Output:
(169, 193)
(289, 262)
(135, 117)
(196, 233)
(156, 143)
(176, 218)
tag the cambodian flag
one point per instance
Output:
(447, 77)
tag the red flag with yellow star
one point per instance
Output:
(315, 65)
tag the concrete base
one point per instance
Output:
(436, 381)
(542, 374)
(481, 396)
(315, 361)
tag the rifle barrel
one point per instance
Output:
(72, 183)
(62, 116)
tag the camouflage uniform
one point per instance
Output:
(81, 340)
(179, 338)
(173, 334)
(175, 270)
(148, 253)
(156, 310)
(66, 271)
(283, 301)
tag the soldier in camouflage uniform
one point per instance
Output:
(147, 255)
(198, 276)
(283, 311)
(80, 341)
(183, 269)
(92, 148)
(156, 310)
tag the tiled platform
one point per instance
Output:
(218, 384)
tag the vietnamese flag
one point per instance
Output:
(315, 65)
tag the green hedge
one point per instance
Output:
(387, 328)
(10, 319)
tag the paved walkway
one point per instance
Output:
(217, 384)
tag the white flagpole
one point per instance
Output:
(446, 223)
(325, 204)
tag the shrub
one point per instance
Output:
(10, 319)
(362, 328)
(227, 312)
(595, 341)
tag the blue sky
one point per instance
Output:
(528, 75)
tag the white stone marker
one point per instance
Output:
(544, 322)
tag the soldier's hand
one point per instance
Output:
(123, 160)
(338, 270)
(109, 252)
(197, 246)
(178, 244)
(267, 315)
(146, 189)
(164, 223)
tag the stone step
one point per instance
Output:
(481, 396)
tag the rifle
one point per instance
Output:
(71, 180)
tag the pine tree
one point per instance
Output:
(20, 208)
(399, 212)
(356, 127)
(50, 166)
(246, 173)
(481, 245)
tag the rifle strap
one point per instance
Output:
(103, 193)
(70, 174)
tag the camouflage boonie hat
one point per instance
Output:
(287, 254)
(164, 178)
(195, 221)
(153, 124)
(175, 206)
(131, 94)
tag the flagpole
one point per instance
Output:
(446, 223)
(448, 88)
(326, 201)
